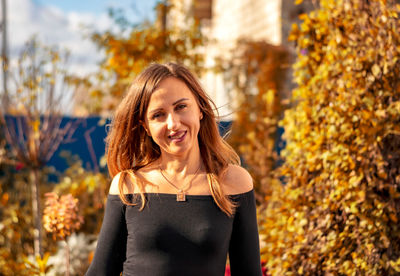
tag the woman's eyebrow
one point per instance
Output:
(180, 100)
(155, 110)
(175, 103)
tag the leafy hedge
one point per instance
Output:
(339, 212)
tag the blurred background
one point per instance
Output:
(307, 92)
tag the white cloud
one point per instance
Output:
(57, 28)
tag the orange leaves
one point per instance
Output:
(294, 33)
(4, 199)
(61, 216)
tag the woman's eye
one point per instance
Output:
(157, 115)
(180, 106)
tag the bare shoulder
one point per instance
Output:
(237, 180)
(128, 183)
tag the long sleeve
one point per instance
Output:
(244, 248)
(110, 252)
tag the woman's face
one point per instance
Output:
(173, 118)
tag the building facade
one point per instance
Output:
(224, 23)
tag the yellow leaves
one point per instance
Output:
(303, 222)
(351, 163)
(304, 27)
(382, 174)
(355, 180)
(338, 156)
(91, 182)
(394, 108)
(303, 16)
(380, 113)
(251, 135)
(395, 264)
(40, 266)
(269, 98)
(96, 93)
(294, 33)
(376, 70)
(290, 226)
(298, 2)
(353, 208)
(128, 55)
(36, 125)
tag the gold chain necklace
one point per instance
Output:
(181, 195)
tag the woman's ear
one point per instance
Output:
(201, 115)
(143, 124)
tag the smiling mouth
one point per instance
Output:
(177, 137)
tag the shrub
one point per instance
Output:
(339, 211)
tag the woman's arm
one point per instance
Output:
(110, 252)
(244, 248)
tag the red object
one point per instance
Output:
(227, 271)
(19, 166)
(263, 269)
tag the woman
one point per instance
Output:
(179, 202)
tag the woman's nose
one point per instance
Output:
(172, 122)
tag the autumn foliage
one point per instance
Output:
(39, 80)
(258, 72)
(126, 55)
(339, 211)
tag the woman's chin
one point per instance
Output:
(180, 150)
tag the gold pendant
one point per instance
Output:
(180, 196)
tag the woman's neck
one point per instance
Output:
(181, 166)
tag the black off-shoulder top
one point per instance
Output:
(168, 237)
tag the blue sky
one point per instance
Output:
(139, 9)
(59, 23)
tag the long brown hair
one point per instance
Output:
(129, 148)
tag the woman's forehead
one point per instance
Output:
(172, 83)
(170, 90)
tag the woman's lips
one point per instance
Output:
(178, 137)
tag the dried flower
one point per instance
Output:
(61, 216)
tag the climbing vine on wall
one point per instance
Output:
(339, 211)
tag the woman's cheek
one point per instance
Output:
(158, 131)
